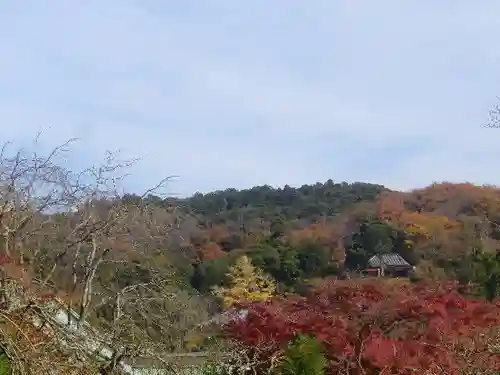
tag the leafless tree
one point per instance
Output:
(494, 117)
(148, 312)
(31, 186)
(72, 233)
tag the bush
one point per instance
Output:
(5, 368)
(305, 356)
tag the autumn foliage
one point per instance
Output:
(246, 283)
(211, 251)
(329, 237)
(372, 328)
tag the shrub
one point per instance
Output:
(305, 356)
(5, 368)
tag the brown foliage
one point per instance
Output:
(211, 251)
(326, 235)
(74, 232)
(455, 199)
(433, 218)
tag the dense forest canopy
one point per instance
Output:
(332, 228)
(305, 202)
(257, 208)
(433, 227)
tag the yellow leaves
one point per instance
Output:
(427, 228)
(193, 341)
(246, 284)
(409, 243)
(427, 225)
(416, 230)
(421, 217)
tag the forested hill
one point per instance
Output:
(317, 230)
(287, 203)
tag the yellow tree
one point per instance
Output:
(246, 284)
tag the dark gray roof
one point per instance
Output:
(390, 260)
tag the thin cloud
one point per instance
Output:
(229, 94)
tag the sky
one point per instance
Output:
(232, 94)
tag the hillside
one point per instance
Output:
(307, 202)
(146, 272)
(330, 228)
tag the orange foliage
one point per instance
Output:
(446, 199)
(211, 251)
(215, 234)
(325, 235)
(420, 226)
(455, 199)
(218, 233)
(316, 233)
(390, 206)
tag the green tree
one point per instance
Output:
(210, 273)
(313, 259)
(289, 271)
(266, 257)
(486, 272)
(305, 356)
(373, 238)
(5, 367)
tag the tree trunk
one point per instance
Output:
(109, 368)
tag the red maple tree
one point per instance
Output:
(371, 328)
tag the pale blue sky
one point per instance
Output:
(238, 93)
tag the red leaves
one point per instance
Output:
(381, 352)
(372, 328)
(5, 259)
(211, 251)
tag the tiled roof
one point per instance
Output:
(390, 260)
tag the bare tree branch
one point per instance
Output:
(74, 234)
(494, 117)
